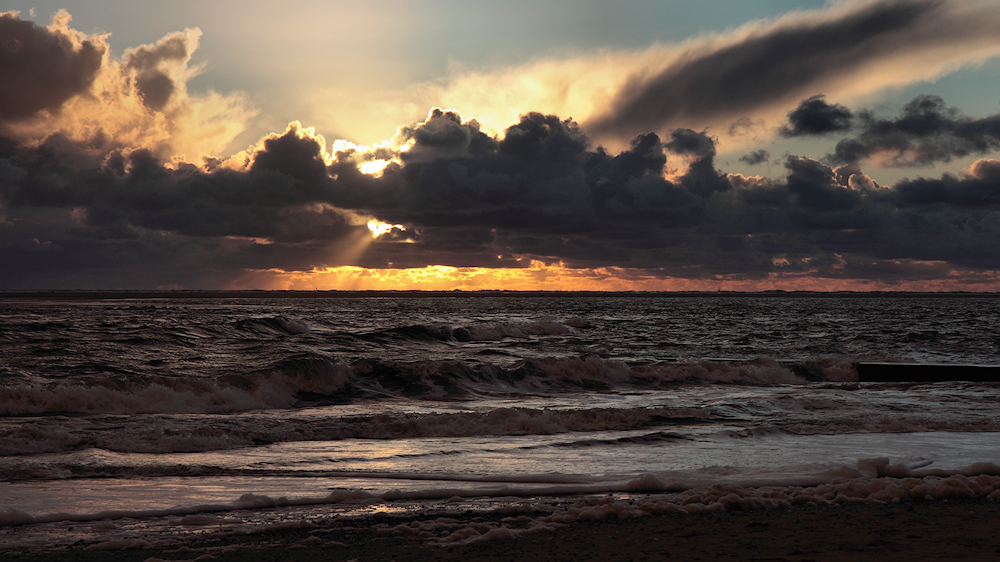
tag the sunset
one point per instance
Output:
(653, 146)
(525, 280)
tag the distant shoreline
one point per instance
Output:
(336, 294)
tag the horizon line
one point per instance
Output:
(340, 293)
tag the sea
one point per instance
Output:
(148, 417)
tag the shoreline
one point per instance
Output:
(908, 530)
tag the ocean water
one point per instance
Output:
(134, 417)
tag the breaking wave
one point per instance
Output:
(310, 380)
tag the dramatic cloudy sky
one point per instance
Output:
(445, 144)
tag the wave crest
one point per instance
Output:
(311, 380)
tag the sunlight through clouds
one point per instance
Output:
(379, 228)
(741, 158)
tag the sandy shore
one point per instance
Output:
(926, 530)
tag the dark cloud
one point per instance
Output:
(926, 131)
(816, 117)
(686, 141)
(784, 63)
(815, 186)
(702, 177)
(295, 156)
(972, 192)
(756, 157)
(444, 135)
(541, 177)
(154, 85)
(125, 191)
(41, 68)
(71, 215)
(539, 189)
(537, 137)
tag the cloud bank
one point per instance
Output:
(540, 193)
(751, 74)
(927, 131)
(100, 185)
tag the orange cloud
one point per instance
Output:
(556, 277)
(141, 100)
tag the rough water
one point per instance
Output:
(154, 416)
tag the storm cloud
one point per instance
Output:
(771, 65)
(42, 67)
(541, 191)
(814, 116)
(926, 131)
(87, 205)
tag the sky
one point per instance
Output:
(561, 145)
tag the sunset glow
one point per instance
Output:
(379, 228)
(541, 277)
(684, 148)
(373, 167)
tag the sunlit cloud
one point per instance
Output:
(539, 276)
(374, 167)
(739, 84)
(140, 100)
(380, 228)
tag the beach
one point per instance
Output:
(918, 530)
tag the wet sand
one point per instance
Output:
(927, 530)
